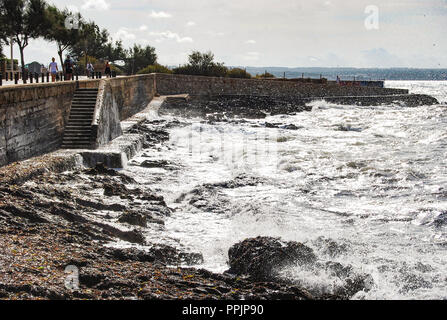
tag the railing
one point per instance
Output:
(12, 78)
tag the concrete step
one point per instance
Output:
(80, 122)
(83, 107)
(70, 146)
(84, 142)
(80, 116)
(78, 127)
(78, 131)
(82, 112)
(83, 101)
(77, 138)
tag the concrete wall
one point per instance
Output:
(33, 117)
(196, 85)
(119, 99)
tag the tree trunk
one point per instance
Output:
(22, 59)
(59, 52)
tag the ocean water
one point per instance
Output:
(372, 179)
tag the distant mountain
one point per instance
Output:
(358, 73)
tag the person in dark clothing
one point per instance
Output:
(108, 71)
(68, 66)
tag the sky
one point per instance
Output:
(286, 33)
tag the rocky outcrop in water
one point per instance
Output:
(265, 258)
(262, 257)
(223, 108)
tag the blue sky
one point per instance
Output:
(291, 33)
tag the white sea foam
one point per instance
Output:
(374, 177)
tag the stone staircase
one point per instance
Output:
(78, 131)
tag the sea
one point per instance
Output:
(372, 179)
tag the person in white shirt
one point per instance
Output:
(53, 69)
(90, 69)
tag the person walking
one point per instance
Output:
(108, 71)
(68, 64)
(53, 69)
(90, 69)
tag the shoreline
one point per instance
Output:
(48, 222)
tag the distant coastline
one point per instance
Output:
(358, 73)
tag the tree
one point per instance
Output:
(23, 20)
(155, 68)
(202, 64)
(59, 33)
(265, 75)
(239, 73)
(139, 58)
(114, 51)
(92, 41)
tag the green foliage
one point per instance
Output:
(139, 57)
(92, 41)
(202, 64)
(155, 68)
(265, 76)
(23, 20)
(114, 51)
(238, 73)
(58, 33)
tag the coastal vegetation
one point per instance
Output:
(155, 68)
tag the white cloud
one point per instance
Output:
(160, 15)
(250, 42)
(125, 34)
(190, 24)
(143, 28)
(170, 36)
(95, 5)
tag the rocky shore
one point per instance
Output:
(55, 214)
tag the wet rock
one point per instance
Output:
(291, 127)
(115, 190)
(156, 164)
(262, 257)
(352, 282)
(227, 107)
(440, 220)
(162, 254)
(133, 218)
(101, 169)
(271, 125)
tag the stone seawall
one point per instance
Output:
(33, 117)
(196, 85)
(120, 99)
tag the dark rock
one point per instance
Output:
(156, 164)
(440, 220)
(262, 257)
(133, 218)
(162, 254)
(115, 190)
(102, 169)
(291, 127)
